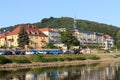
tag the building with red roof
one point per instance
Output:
(108, 41)
(37, 39)
(3, 41)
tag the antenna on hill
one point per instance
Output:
(74, 24)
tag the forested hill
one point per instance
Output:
(66, 22)
(82, 24)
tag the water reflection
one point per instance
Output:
(86, 72)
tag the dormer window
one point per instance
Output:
(33, 32)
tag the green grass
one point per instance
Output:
(4, 60)
(52, 58)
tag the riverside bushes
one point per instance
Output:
(94, 57)
(4, 60)
(35, 58)
(46, 58)
(20, 59)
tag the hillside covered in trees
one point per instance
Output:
(66, 22)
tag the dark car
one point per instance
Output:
(8, 52)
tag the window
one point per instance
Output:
(33, 32)
(36, 37)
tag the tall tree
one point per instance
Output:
(68, 39)
(23, 38)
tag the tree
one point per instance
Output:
(68, 39)
(118, 39)
(50, 46)
(23, 38)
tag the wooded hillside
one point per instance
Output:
(66, 22)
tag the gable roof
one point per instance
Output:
(31, 30)
(107, 36)
(46, 29)
(4, 34)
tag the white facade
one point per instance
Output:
(108, 41)
(53, 34)
(87, 38)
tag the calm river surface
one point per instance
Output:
(97, 71)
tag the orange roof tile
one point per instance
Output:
(31, 30)
(45, 29)
(3, 35)
(107, 36)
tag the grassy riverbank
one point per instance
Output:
(50, 58)
(31, 61)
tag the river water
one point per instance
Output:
(96, 71)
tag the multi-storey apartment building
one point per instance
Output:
(37, 39)
(53, 34)
(88, 38)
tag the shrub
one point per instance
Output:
(52, 59)
(80, 58)
(61, 59)
(69, 59)
(94, 57)
(35, 58)
(44, 60)
(20, 60)
(4, 60)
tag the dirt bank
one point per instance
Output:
(14, 66)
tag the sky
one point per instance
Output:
(14, 12)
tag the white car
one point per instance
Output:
(1, 52)
(28, 52)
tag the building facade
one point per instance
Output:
(88, 38)
(108, 41)
(37, 39)
(53, 34)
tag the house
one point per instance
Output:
(108, 41)
(37, 39)
(3, 39)
(54, 36)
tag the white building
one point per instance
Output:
(88, 38)
(108, 41)
(54, 36)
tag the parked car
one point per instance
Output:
(8, 52)
(68, 52)
(27, 52)
(19, 52)
(54, 52)
(34, 51)
(42, 52)
(1, 52)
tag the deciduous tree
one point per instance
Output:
(68, 39)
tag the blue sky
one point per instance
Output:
(14, 12)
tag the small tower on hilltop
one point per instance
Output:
(75, 25)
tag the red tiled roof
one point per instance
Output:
(31, 30)
(16, 30)
(107, 36)
(45, 29)
(3, 35)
